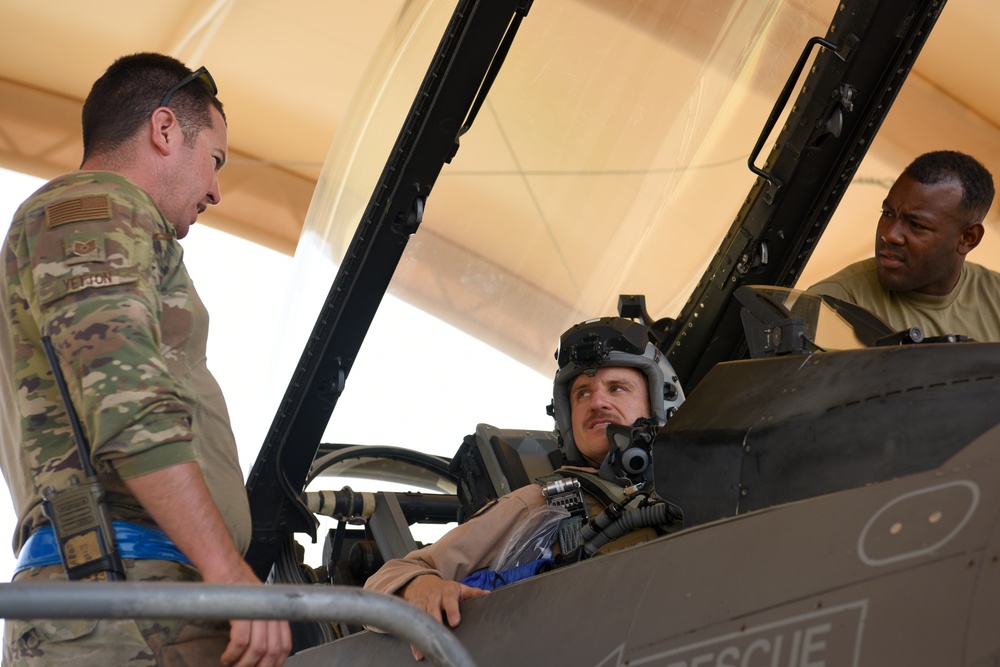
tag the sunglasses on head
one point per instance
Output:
(200, 73)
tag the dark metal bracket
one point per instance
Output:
(467, 59)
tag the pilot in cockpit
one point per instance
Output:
(611, 382)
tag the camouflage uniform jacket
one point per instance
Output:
(90, 261)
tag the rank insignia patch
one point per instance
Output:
(81, 249)
(84, 247)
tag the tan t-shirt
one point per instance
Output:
(972, 308)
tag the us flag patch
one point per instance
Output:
(95, 207)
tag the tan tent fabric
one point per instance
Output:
(547, 249)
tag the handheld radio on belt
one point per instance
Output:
(78, 514)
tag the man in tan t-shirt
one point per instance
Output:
(931, 219)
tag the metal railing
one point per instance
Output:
(72, 600)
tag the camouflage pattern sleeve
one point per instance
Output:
(92, 255)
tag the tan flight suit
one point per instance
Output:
(474, 544)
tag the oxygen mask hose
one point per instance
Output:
(651, 516)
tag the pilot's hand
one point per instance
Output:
(439, 598)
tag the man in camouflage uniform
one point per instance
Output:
(92, 261)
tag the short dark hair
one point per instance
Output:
(976, 181)
(121, 101)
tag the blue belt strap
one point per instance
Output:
(133, 541)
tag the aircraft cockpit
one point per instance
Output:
(829, 469)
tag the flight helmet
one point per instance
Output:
(610, 341)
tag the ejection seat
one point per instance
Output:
(493, 462)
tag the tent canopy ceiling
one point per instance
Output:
(291, 75)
